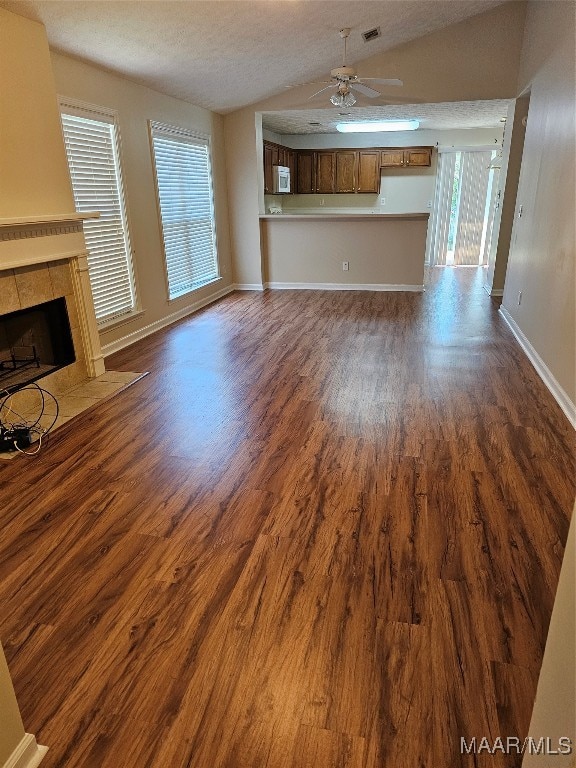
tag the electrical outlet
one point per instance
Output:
(519, 298)
(429, 204)
(382, 201)
(345, 266)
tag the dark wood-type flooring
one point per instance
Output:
(324, 532)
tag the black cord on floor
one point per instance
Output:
(8, 427)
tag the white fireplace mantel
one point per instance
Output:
(52, 218)
(33, 242)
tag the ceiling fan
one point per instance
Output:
(345, 80)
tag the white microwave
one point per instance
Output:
(281, 179)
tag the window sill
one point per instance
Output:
(195, 289)
(118, 321)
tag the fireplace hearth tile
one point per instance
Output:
(95, 388)
(73, 402)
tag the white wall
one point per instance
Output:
(309, 251)
(136, 105)
(542, 256)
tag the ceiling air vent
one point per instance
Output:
(371, 34)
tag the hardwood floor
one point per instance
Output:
(324, 532)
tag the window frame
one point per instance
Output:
(98, 113)
(186, 135)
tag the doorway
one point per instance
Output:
(462, 219)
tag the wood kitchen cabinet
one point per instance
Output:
(305, 173)
(406, 157)
(276, 154)
(340, 171)
(368, 172)
(270, 160)
(418, 156)
(357, 171)
(391, 158)
(346, 171)
(325, 172)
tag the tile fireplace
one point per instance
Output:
(43, 262)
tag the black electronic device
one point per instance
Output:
(12, 439)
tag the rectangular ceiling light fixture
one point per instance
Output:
(388, 125)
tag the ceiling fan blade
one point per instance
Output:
(313, 82)
(328, 87)
(365, 90)
(381, 81)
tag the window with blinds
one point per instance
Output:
(92, 149)
(184, 187)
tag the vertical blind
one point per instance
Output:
(463, 214)
(472, 208)
(92, 150)
(184, 186)
(439, 230)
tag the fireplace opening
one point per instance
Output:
(33, 343)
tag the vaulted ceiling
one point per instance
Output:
(226, 54)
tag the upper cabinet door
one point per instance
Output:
(418, 157)
(368, 171)
(268, 176)
(390, 158)
(346, 170)
(305, 180)
(325, 172)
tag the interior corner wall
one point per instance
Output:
(245, 193)
(541, 263)
(135, 106)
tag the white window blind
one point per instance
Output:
(184, 186)
(92, 150)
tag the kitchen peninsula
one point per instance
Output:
(373, 251)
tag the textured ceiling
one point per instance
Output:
(225, 54)
(455, 114)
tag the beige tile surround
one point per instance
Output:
(26, 286)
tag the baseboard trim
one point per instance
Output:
(343, 287)
(249, 287)
(567, 406)
(158, 325)
(28, 754)
(495, 292)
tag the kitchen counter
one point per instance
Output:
(355, 251)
